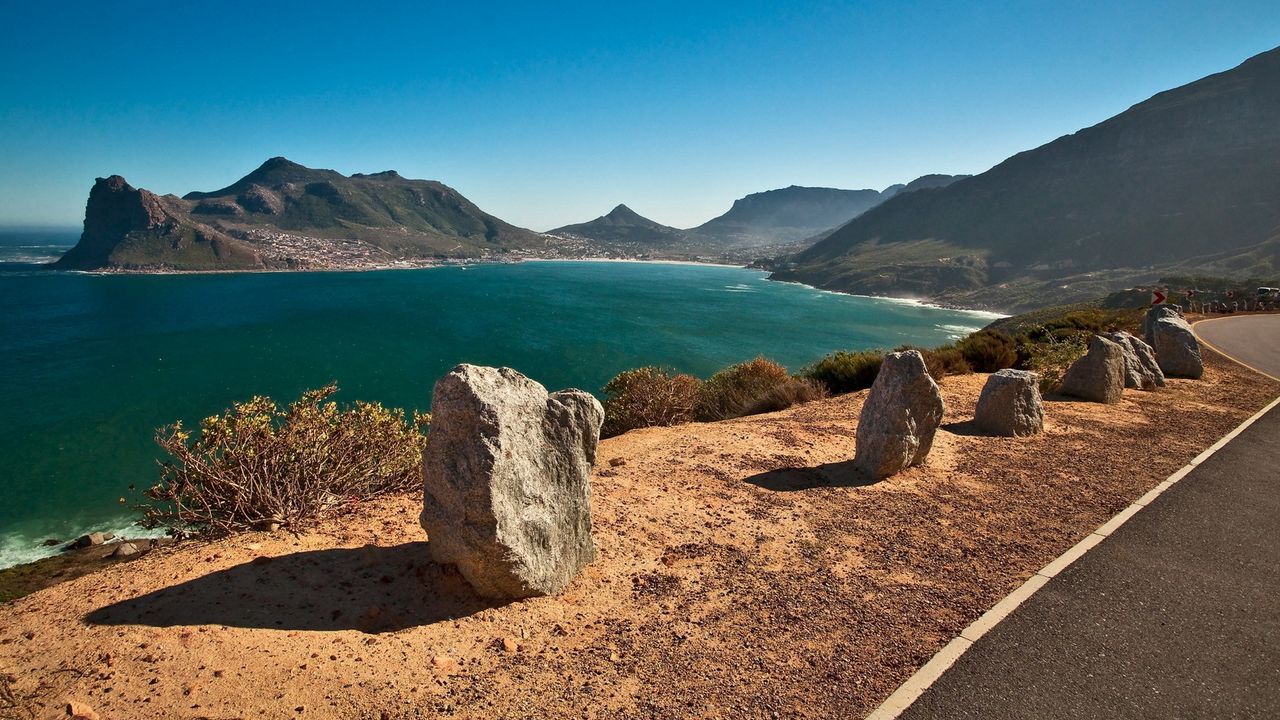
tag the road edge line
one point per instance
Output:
(1226, 354)
(928, 674)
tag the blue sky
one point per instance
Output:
(552, 113)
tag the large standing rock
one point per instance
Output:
(506, 480)
(1155, 313)
(1099, 375)
(1177, 349)
(899, 418)
(1010, 404)
(1141, 370)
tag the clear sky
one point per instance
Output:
(551, 113)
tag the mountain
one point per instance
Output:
(623, 225)
(1190, 172)
(128, 227)
(285, 215)
(793, 214)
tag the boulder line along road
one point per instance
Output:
(1169, 616)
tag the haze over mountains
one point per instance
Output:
(774, 217)
(1185, 182)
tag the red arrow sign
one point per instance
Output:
(1157, 297)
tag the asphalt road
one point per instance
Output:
(1251, 339)
(1175, 615)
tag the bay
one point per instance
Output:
(90, 364)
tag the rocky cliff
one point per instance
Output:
(286, 215)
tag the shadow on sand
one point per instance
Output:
(968, 428)
(372, 589)
(838, 474)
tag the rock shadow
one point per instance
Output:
(838, 474)
(371, 589)
(968, 428)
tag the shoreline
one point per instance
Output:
(992, 314)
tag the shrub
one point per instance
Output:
(647, 397)
(1051, 356)
(732, 391)
(845, 372)
(946, 360)
(257, 464)
(795, 391)
(989, 350)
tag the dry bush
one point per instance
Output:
(989, 350)
(732, 391)
(844, 372)
(648, 397)
(795, 391)
(258, 464)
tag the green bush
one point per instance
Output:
(258, 465)
(946, 360)
(1051, 355)
(732, 391)
(648, 397)
(844, 371)
(989, 350)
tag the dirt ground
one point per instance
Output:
(742, 572)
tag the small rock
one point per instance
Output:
(90, 540)
(899, 418)
(1010, 404)
(1177, 349)
(125, 549)
(80, 711)
(51, 542)
(444, 663)
(509, 645)
(1099, 375)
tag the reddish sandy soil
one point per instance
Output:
(743, 572)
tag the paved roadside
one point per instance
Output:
(1251, 339)
(1175, 615)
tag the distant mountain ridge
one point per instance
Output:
(1190, 173)
(286, 215)
(624, 225)
(774, 217)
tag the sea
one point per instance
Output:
(92, 364)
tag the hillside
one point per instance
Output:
(1190, 173)
(797, 214)
(624, 225)
(285, 215)
(742, 572)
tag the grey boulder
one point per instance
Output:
(1010, 404)
(1177, 349)
(1099, 375)
(1141, 371)
(506, 481)
(1155, 313)
(900, 417)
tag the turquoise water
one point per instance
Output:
(91, 364)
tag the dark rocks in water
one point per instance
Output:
(93, 538)
(899, 418)
(51, 542)
(1099, 375)
(507, 481)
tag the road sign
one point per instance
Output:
(1190, 294)
(1157, 297)
(1231, 293)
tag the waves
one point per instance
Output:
(17, 548)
